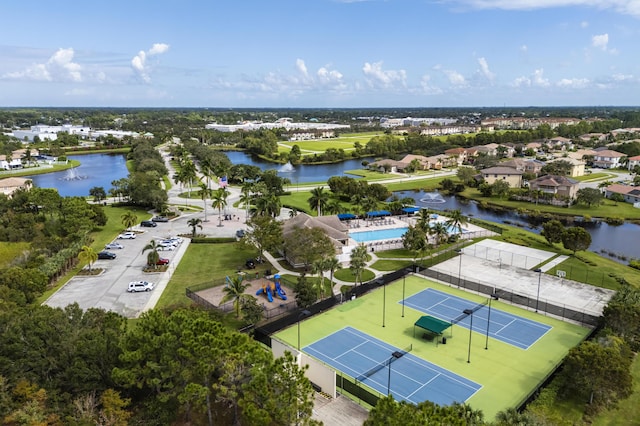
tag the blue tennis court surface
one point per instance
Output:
(411, 378)
(509, 328)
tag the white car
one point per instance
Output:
(127, 236)
(113, 245)
(135, 286)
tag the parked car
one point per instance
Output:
(162, 261)
(114, 245)
(250, 264)
(160, 219)
(163, 247)
(127, 236)
(135, 286)
(148, 224)
(106, 255)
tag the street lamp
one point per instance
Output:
(469, 312)
(539, 271)
(459, 251)
(304, 313)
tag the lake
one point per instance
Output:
(94, 170)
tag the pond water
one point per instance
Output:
(94, 170)
(605, 239)
(302, 173)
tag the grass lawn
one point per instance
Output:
(594, 176)
(372, 175)
(404, 253)
(507, 374)
(205, 264)
(391, 264)
(345, 142)
(345, 274)
(608, 208)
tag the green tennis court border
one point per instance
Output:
(507, 374)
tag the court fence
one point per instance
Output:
(540, 305)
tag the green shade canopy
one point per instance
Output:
(432, 324)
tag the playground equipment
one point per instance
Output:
(272, 288)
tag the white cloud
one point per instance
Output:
(600, 41)
(427, 87)
(573, 83)
(536, 79)
(584, 24)
(524, 48)
(302, 67)
(377, 77)
(139, 62)
(455, 78)
(622, 77)
(626, 7)
(59, 67)
(484, 69)
(158, 48)
(329, 77)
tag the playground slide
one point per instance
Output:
(269, 295)
(280, 292)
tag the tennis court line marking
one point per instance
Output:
(446, 373)
(505, 326)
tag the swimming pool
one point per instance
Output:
(378, 234)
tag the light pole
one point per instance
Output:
(539, 271)
(404, 277)
(492, 296)
(469, 312)
(459, 251)
(384, 302)
(304, 313)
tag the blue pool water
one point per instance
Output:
(378, 234)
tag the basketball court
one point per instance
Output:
(509, 267)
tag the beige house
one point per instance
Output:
(526, 166)
(559, 186)
(459, 154)
(512, 176)
(577, 166)
(10, 185)
(633, 162)
(607, 159)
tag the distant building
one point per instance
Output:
(10, 185)
(607, 159)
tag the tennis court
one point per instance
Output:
(388, 369)
(509, 328)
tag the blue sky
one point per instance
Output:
(319, 53)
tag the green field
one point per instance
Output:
(507, 374)
(318, 146)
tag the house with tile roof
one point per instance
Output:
(607, 159)
(559, 186)
(493, 174)
(10, 185)
(631, 194)
(633, 162)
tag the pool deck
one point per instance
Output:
(392, 222)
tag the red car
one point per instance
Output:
(162, 261)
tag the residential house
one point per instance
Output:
(607, 159)
(508, 174)
(10, 185)
(577, 166)
(560, 186)
(633, 162)
(388, 165)
(524, 165)
(559, 143)
(459, 154)
(10, 163)
(631, 194)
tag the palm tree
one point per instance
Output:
(423, 220)
(440, 232)
(189, 175)
(129, 219)
(456, 221)
(333, 207)
(153, 256)
(245, 197)
(194, 223)
(369, 204)
(219, 199)
(234, 290)
(358, 261)
(89, 255)
(205, 192)
(333, 264)
(318, 267)
(268, 204)
(318, 199)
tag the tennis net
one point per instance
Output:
(468, 312)
(396, 355)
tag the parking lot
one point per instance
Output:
(109, 289)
